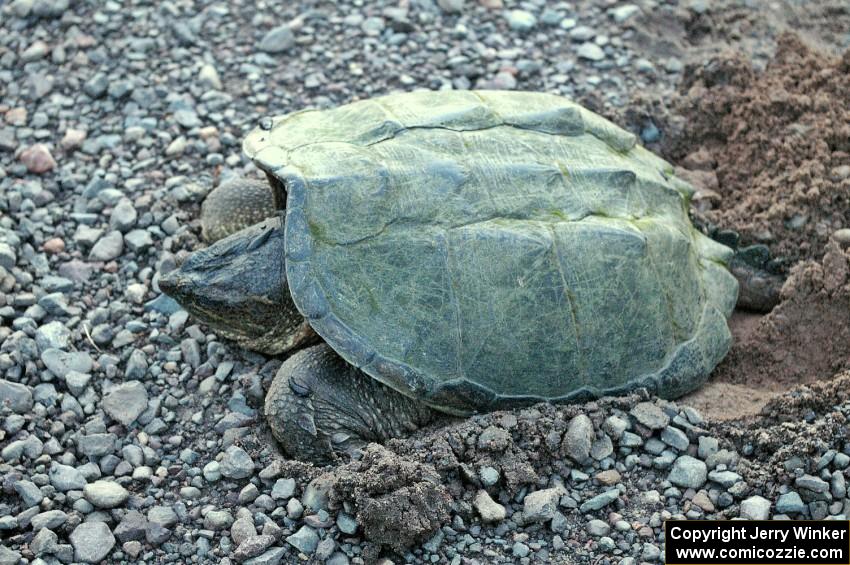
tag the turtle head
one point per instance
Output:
(238, 287)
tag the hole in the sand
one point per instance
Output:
(722, 398)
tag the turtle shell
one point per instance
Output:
(483, 249)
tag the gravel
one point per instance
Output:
(131, 433)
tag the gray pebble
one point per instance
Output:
(688, 472)
(520, 20)
(579, 438)
(755, 508)
(304, 540)
(540, 506)
(126, 402)
(16, 396)
(105, 494)
(277, 40)
(108, 247)
(236, 463)
(65, 478)
(92, 541)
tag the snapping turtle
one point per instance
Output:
(458, 252)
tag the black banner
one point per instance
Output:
(757, 542)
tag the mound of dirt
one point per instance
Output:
(770, 151)
(804, 339)
(770, 155)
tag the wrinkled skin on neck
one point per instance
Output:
(238, 287)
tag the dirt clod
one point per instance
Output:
(399, 501)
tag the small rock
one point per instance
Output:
(624, 12)
(16, 396)
(520, 20)
(218, 520)
(65, 478)
(304, 540)
(615, 426)
(608, 477)
(283, 489)
(598, 528)
(702, 501)
(811, 483)
(9, 557)
(132, 548)
(347, 524)
(755, 508)
(707, 447)
(131, 527)
(650, 415)
(688, 472)
(540, 506)
(590, 52)
(274, 556)
(242, 529)
(277, 40)
(254, 546)
(724, 478)
(54, 245)
(126, 402)
(37, 159)
(108, 247)
(51, 519)
(105, 494)
(790, 503)
(208, 76)
(165, 516)
(236, 463)
(44, 542)
(30, 494)
(674, 437)
(72, 139)
(53, 335)
(8, 257)
(451, 6)
(579, 438)
(92, 541)
(123, 216)
(488, 509)
(600, 501)
(96, 86)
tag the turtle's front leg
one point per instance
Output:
(319, 407)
